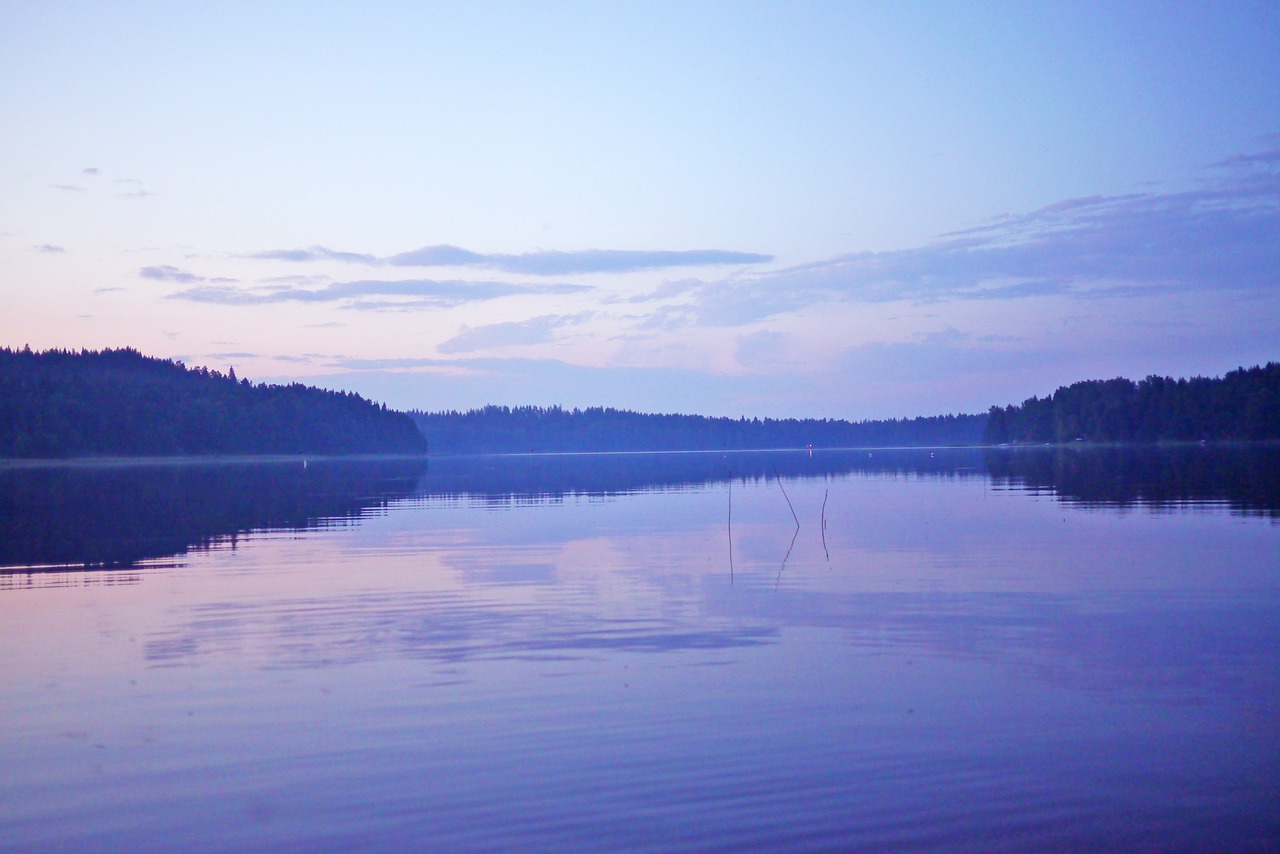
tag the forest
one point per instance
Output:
(1243, 405)
(62, 403)
(524, 429)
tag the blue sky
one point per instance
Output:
(852, 210)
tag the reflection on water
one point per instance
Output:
(521, 477)
(979, 651)
(1246, 479)
(119, 515)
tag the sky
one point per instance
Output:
(832, 210)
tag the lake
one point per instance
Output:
(954, 650)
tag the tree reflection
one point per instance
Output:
(96, 515)
(101, 516)
(1245, 479)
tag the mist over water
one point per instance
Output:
(930, 649)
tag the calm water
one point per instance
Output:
(938, 651)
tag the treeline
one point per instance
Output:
(1243, 405)
(521, 429)
(62, 403)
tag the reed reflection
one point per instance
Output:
(92, 516)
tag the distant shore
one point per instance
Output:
(195, 460)
(252, 459)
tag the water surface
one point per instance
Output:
(916, 650)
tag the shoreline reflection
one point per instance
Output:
(71, 517)
(102, 517)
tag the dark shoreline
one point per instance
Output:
(237, 459)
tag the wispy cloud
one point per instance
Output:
(545, 263)
(371, 294)
(1270, 155)
(667, 290)
(586, 261)
(536, 330)
(1223, 235)
(169, 273)
(315, 253)
(443, 255)
(137, 190)
(240, 355)
(296, 280)
(234, 355)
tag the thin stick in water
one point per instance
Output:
(731, 530)
(784, 495)
(793, 536)
(778, 581)
(824, 524)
